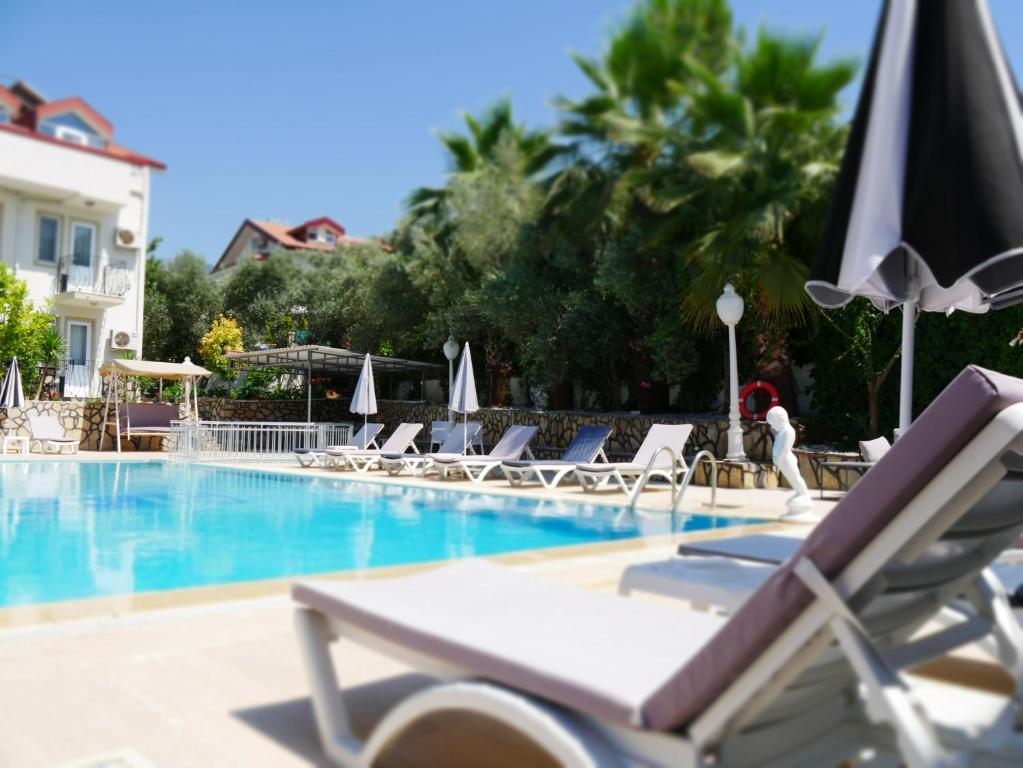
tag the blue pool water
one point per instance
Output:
(77, 530)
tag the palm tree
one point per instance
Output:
(746, 177)
(493, 139)
(744, 184)
(641, 77)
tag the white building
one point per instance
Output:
(74, 214)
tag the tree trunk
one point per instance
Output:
(774, 364)
(873, 407)
(616, 387)
(561, 396)
(500, 385)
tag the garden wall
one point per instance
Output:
(80, 418)
(557, 428)
(84, 420)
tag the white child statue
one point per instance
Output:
(799, 503)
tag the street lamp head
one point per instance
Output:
(730, 306)
(451, 348)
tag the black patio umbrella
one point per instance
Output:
(928, 207)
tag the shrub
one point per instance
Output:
(27, 332)
(225, 335)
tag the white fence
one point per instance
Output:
(252, 440)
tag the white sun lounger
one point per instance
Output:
(513, 443)
(653, 455)
(810, 671)
(364, 439)
(586, 447)
(48, 434)
(400, 441)
(459, 439)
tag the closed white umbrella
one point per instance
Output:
(11, 393)
(463, 393)
(365, 399)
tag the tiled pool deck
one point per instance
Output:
(212, 676)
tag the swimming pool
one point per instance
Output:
(73, 530)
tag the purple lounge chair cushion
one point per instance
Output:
(599, 653)
(961, 411)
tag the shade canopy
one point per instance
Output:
(463, 393)
(928, 200)
(325, 361)
(153, 369)
(364, 400)
(315, 360)
(12, 395)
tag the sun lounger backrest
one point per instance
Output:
(476, 434)
(401, 438)
(143, 416)
(46, 428)
(874, 450)
(587, 444)
(963, 409)
(439, 430)
(460, 436)
(367, 434)
(673, 436)
(513, 442)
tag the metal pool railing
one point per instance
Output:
(252, 440)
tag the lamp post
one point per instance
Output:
(730, 306)
(451, 352)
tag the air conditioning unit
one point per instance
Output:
(120, 340)
(127, 238)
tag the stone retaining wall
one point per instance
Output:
(79, 418)
(84, 420)
(557, 428)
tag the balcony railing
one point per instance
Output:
(112, 280)
(69, 378)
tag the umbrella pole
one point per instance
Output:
(906, 383)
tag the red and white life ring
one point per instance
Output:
(748, 390)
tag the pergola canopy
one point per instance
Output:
(325, 361)
(154, 369)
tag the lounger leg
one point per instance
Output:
(888, 698)
(514, 478)
(483, 473)
(560, 735)
(314, 638)
(556, 478)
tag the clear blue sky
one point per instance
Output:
(293, 110)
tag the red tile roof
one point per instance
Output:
(75, 104)
(322, 221)
(284, 237)
(30, 108)
(9, 99)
